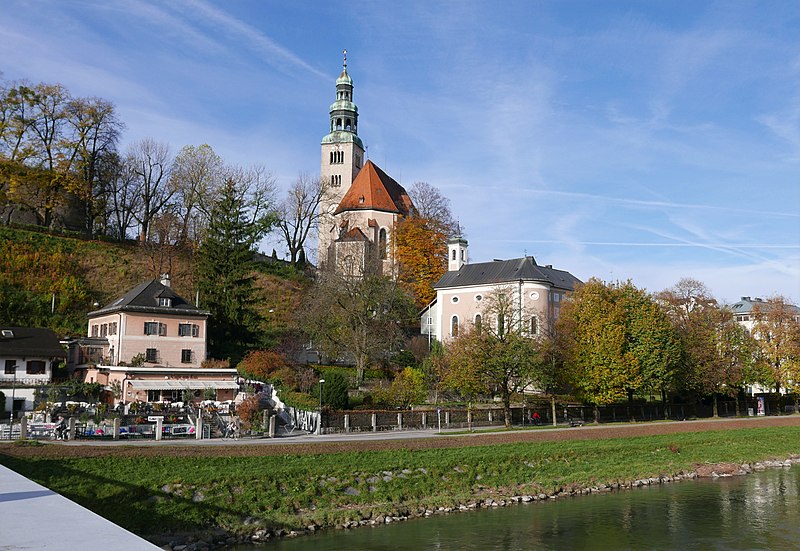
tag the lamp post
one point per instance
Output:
(13, 396)
(319, 424)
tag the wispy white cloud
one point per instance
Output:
(237, 30)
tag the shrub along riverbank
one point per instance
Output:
(238, 497)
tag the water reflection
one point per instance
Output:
(758, 511)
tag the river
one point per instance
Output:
(757, 511)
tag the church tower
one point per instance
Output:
(342, 158)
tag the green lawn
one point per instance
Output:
(166, 494)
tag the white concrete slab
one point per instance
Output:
(33, 517)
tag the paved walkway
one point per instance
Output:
(33, 517)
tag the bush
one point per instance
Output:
(407, 388)
(300, 400)
(260, 364)
(249, 412)
(285, 377)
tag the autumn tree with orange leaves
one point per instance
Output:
(421, 252)
(420, 242)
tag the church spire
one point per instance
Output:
(343, 112)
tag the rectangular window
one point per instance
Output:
(112, 329)
(166, 302)
(35, 367)
(11, 367)
(155, 328)
(153, 395)
(151, 355)
(188, 330)
(185, 330)
(93, 355)
(186, 356)
(104, 330)
(95, 330)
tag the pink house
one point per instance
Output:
(150, 345)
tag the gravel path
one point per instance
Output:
(412, 440)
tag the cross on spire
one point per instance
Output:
(345, 58)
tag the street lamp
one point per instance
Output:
(319, 425)
(13, 399)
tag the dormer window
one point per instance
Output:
(166, 302)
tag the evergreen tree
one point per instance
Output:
(225, 268)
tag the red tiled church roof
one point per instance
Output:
(354, 235)
(373, 189)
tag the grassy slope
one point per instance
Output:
(162, 494)
(100, 271)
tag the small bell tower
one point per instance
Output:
(456, 253)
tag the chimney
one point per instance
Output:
(165, 280)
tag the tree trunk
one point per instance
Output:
(715, 412)
(596, 414)
(507, 408)
(361, 364)
(553, 410)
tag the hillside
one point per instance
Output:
(35, 267)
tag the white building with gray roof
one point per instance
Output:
(462, 291)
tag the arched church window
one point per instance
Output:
(338, 124)
(347, 124)
(382, 243)
(454, 254)
(454, 326)
(534, 325)
(478, 323)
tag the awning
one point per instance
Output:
(193, 384)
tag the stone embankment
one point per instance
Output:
(220, 540)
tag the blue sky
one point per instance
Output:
(623, 140)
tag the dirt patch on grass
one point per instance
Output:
(268, 448)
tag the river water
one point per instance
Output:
(757, 511)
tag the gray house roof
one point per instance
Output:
(30, 342)
(144, 298)
(746, 305)
(508, 271)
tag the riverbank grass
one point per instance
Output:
(239, 495)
